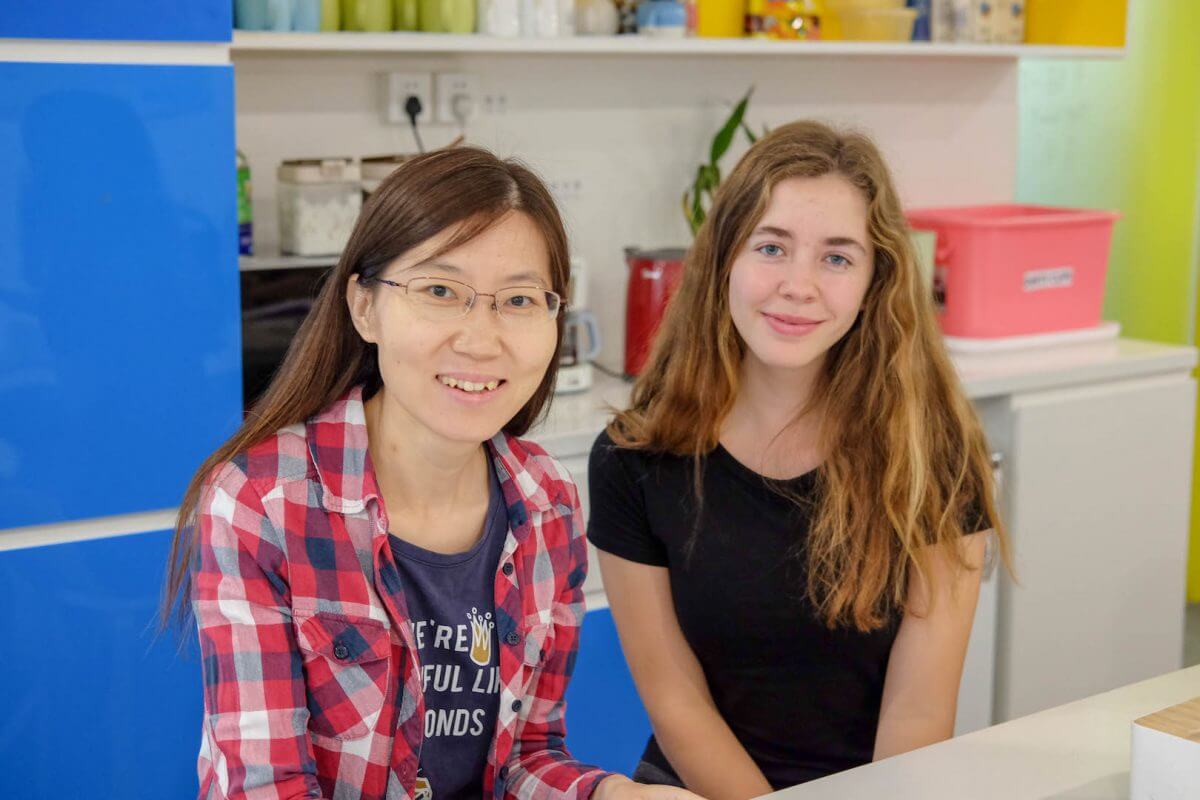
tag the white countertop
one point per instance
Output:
(1079, 751)
(575, 420)
(1058, 367)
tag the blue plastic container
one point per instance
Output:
(923, 26)
(306, 15)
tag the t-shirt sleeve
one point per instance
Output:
(617, 519)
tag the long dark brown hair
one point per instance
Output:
(905, 464)
(466, 189)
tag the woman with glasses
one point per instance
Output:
(386, 580)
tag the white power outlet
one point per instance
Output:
(457, 96)
(495, 103)
(402, 85)
(565, 190)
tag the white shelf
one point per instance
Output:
(269, 42)
(260, 263)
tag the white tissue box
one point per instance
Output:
(1165, 755)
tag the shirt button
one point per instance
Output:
(513, 638)
(503, 773)
(507, 569)
(516, 705)
(340, 652)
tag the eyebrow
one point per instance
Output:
(832, 241)
(845, 241)
(528, 275)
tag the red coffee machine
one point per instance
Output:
(653, 276)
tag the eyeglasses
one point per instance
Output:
(440, 299)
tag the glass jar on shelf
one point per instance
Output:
(319, 201)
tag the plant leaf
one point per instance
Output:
(724, 136)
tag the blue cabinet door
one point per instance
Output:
(120, 354)
(606, 722)
(160, 20)
(95, 704)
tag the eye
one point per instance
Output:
(439, 291)
(520, 301)
(837, 260)
(769, 250)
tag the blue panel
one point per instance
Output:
(165, 20)
(606, 723)
(95, 705)
(120, 353)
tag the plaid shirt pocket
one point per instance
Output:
(347, 671)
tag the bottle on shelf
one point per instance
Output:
(331, 15)
(245, 210)
(367, 15)
(597, 18)
(447, 16)
(721, 18)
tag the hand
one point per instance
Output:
(618, 787)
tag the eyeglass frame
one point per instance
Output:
(476, 293)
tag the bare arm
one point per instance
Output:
(920, 692)
(687, 724)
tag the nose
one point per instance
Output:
(478, 334)
(799, 282)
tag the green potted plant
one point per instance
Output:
(697, 199)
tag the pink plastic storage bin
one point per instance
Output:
(1013, 270)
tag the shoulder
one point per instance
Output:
(244, 482)
(607, 457)
(539, 476)
(544, 468)
(281, 457)
(605, 449)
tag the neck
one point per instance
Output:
(424, 473)
(767, 418)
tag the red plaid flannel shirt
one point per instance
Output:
(311, 681)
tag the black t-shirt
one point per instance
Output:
(802, 699)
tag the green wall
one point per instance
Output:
(1125, 135)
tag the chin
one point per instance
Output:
(461, 425)
(773, 356)
(467, 433)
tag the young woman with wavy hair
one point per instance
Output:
(793, 512)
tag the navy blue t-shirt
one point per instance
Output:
(452, 607)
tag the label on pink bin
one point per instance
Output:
(1035, 280)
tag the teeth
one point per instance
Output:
(468, 386)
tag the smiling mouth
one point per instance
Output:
(793, 326)
(788, 320)
(795, 322)
(471, 387)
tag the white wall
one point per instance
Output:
(632, 129)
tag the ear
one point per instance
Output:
(360, 300)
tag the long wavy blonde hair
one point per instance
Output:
(906, 464)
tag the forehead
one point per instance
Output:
(828, 201)
(511, 247)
